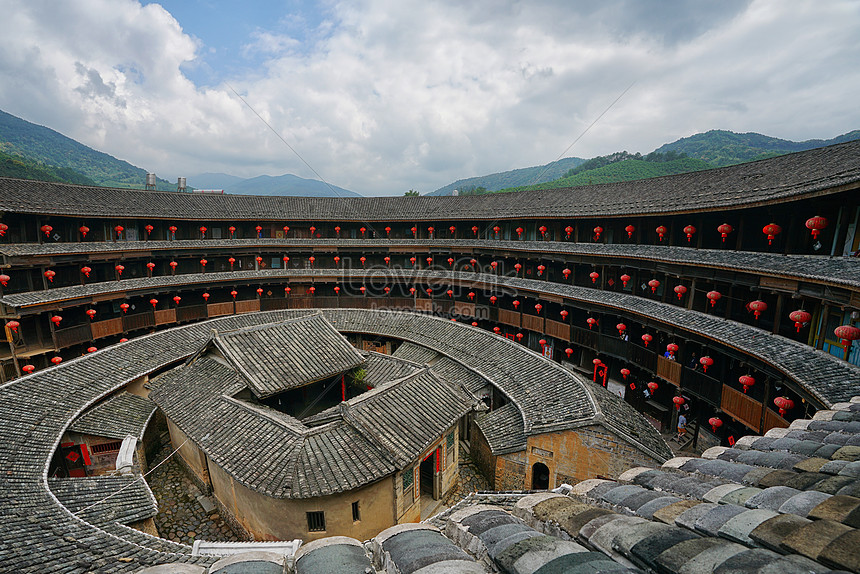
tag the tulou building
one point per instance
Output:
(319, 364)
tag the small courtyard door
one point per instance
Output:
(540, 476)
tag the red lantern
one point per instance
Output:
(414, 231)
(597, 231)
(4, 279)
(715, 423)
(594, 276)
(771, 230)
(706, 362)
(150, 266)
(337, 230)
(412, 290)
(28, 368)
(234, 293)
(494, 265)
(672, 348)
(336, 260)
(173, 265)
(625, 279)
(474, 263)
(784, 404)
(13, 326)
(203, 231)
(519, 337)
(471, 295)
(452, 229)
(86, 271)
(431, 230)
(172, 229)
(336, 290)
(83, 229)
(678, 402)
(493, 299)
(91, 313)
(412, 260)
(724, 230)
(203, 262)
(450, 293)
(568, 230)
(497, 330)
(50, 275)
(363, 260)
(258, 259)
(517, 267)
(538, 308)
(629, 229)
(653, 284)
(689, 230)
(496, 229)
(91, 349)
(363, 230)
(566, 272)
(621, 328)
(232, 230)
(758, 307)
(563, 314)
(800, 317)
(153, 302)
(429, 261)
(259, 229)
(362, 289)
(516, 304)
(123, 340)
(680, 290)
(148, 229)
(474, 323)
(475, 230)
(119, 229)
(206, 297)
(387, 260)
(451, 261)
(541, 269)
(386, 289)
(313, 230)
(4, 228)
(259, 291)
(47, 229)
(387, 231)
(646, 338)
(177, 299)
(231, 261)
(542, 230)
(746, 381)
(286, 260)
(312, 290)
(592, 322)
(713, 296)
(287, 290)
(847, 333)
(568, 351)
(124, 307)
(652, 386)
(57, 360)
(520, 231)
(286, 229)
(625, 373)
(542, 342)
(119, 269)
(816, 224)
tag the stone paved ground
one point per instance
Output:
(181, 517)
(471, 480)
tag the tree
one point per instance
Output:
(411, 193)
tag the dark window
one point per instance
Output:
(105, 447)
(316, 521)
(356, 513)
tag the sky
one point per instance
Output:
(383, 96)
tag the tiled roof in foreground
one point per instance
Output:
(799, 174)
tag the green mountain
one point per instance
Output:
(33, 145)
(721, 147)
(20, 168)
(506, 179)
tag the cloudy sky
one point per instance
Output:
(380, 96)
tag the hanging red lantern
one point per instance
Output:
(519, 337)
(387, 231)
(646, 338)
(203, 263)
(451, 261)
(713, 297)
(431, 230)
(13, 326)
(119, 229)
(625, 372)
(286, 260)
(150, 266)
(494, 265)
(474, 263)
(287, 290)
(50, 275)
(124, 307)
(661, 231)
(758, 307)
(724, 230)
(203, 231)
(541, 269)
(652, 386)
(475, 230)
(520, 231)
(91, 349)
(653, 284)
(177, 299)
(362, 289)
(815, 225)
(517, 267)
(46, 229)
(363, 260)
(337, 230)
(232, 294)
(336, 260)
(563, 314)
(119, 269)
(363, 230)
(847, 333)
(568, 351)
(91, 313)
(123, 340)
(259, 229)
(542, 342)
(493, 299)
(153, 302)
(83, 229)
(173, 265)
(28, 368)
(542, 230)
(784, 404)
(592, 322)
(538, 308)
(629, 229)
(746, 381)
(621, 328)
(568, 231)
(471, 295)
(4, 279)
(312, 259)
(715, 423)
(313, 230)
(148, 229)
(689, 230)
(474, 323)
(57, 360)
(497, 229)
(771, 230)
(497, 330)
(412, 260)
(566, 272)
(386, 289)
(4, 228)
(452, 229)
(672, 348)
(800, 318)
(414, 232)
(680, 290)
(387, 260)
(312, 290)
(516, 304)
(706, 362)
(231, 261)
(206, 297)
(594, 276)
(412, 290)
(625, 279)
(259, 291)
(258, 259)
(86, 271)
(232, 230)
(286, 229)
(429, 261)
(173, 229)
(450, 293)
(678, 402)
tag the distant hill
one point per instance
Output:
(213, 180)
(287, 184)
(20, 168)
(721, 147)
(35, 144)
(513, 178)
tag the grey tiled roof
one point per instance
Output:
(415, 353)
(281, 356)
(103, 500)
(503, 429)
(116, 417)
(383, 368)
(761, 182)
(455, 372)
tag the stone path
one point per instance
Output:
(471, 480)
(181, 517)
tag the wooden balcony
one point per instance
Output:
(558, 330)
(249, 306)
(669, 370)
(107, 328)
(165, 316)
(220, 309)
(74, 335)
(773, 420)
(511, 318)
(742, 408)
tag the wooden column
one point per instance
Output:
(777, 319)
(691, 295)
(821, 331)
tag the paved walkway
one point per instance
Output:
(471, 480)
(181, 516)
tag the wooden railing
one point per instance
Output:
(583, 337)
(741, 407)
(533, 323)
(558, 330)
(191, 313)
(641, 356)
(424, 305)
(614, 345)
(248, 306)
(669, 370)
(138, 321)
(464, 309)
(74, 335)
(107, 328)
(704, 386)
(773, 420)
(220, 309)
(511, 318)
(165, 316)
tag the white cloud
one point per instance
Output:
(391, 95)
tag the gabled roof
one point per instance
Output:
(116, 417)
(278, 357)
